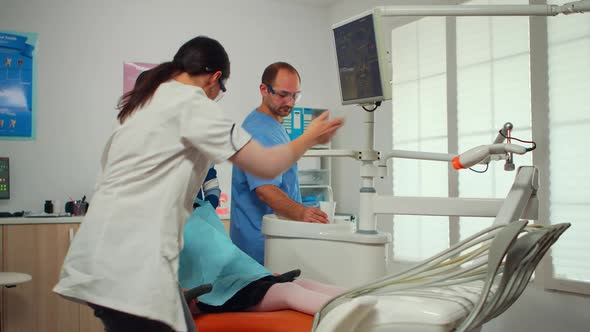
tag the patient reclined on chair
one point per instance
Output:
(284, 320)
(456, 290)
(237, 282)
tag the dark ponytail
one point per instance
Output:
(199, 55)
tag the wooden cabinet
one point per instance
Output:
(39, 250)
(89, 322)
(226, 224)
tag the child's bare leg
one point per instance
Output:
(289, 295)
(319, 287)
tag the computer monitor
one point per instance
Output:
(4, 178)
(363, 59)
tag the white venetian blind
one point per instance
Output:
(492, 88)
(419, 124)
(569, 134)
(493, 66)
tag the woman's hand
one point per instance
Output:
(321, 129)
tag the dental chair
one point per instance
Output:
(457, 290)
(276, 321)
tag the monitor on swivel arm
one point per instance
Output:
(363, 59)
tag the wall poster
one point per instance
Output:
(130, 72)
(18, 85)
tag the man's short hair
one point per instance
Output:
(270, 73)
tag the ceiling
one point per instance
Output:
(328, 3)
(316, 3)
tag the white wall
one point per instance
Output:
(537, 310)
(82, 46)
(81, 50)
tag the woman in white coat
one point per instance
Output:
(123, 261)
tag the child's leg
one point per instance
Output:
(319, 287)
(289, 295)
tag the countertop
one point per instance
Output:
(59, 220)
(36, 221)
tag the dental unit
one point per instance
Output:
(458, 289)
(462, 287)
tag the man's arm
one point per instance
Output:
(288, 208)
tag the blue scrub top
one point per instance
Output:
(246, 208)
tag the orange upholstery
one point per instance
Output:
(276, 321)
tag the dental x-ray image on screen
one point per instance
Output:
(357, 55)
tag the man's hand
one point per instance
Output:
(288, 208)
(313, 214)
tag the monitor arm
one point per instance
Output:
(487, 10)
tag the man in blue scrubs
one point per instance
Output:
(253, 197)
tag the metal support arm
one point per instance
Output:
(487, 10)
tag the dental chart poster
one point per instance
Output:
(130, 72)
(18, 85)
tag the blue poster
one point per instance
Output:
(17, 85)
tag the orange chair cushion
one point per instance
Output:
(275, 321)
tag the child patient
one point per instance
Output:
(239, 282)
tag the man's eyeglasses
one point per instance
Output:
(284, 94)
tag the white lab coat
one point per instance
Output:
(125, 254)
